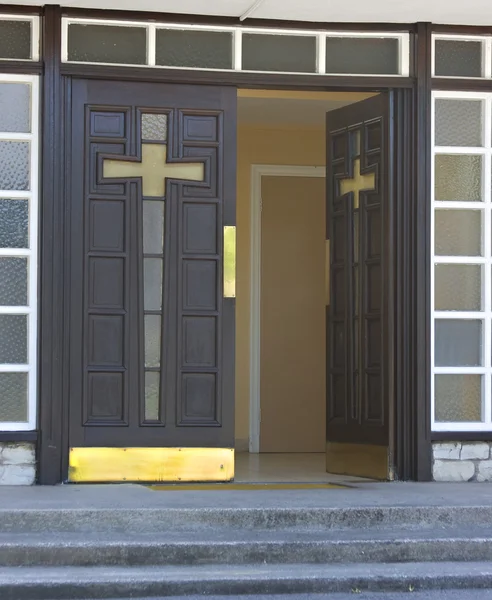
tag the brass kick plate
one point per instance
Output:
(361, 460)
(97, 465)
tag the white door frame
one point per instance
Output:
(257, 172)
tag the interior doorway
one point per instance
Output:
(283, 283)
(292, 407)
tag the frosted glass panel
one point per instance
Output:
(458, 287)
(107, 44)
(13, 281)
(153, 227)
(356, 235)
(152, 283)
(154, 127)
(458, 398)
(459, 122)
(198, 49)
(279, 53)
(152, 395)
(362, 55)
(152, 340)
(13, 339)
(14, 223)
(154, 169)
(15, 40)
(458, 58)
(356, 289)
(13, 397)
(458, 233)
(15, 111)
(458, 177)
(14, 165)
(458, 343)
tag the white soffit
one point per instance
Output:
(272, 113)
(457, 12)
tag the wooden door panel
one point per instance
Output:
(151, 321)
(358, 318)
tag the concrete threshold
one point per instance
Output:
(136, 508)
(370, 494)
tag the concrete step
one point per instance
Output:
(152, 520)
(230, 547)
(138, 509)
(76, 583)
(472, 594)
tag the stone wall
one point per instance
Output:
(17, 463)
(462, 461)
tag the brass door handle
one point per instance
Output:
(327, 272)
(229, 261)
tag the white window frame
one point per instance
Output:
(35, 50)
(31, 253)
(486, 54)
(403, 39)
(485, 261)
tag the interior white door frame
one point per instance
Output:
(257, 172)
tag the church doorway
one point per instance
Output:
(160, 387)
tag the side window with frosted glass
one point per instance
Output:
(462, 261)
(18, 223)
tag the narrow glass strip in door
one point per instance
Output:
(154, 130)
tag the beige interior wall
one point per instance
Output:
(287, 146)
(293, 348)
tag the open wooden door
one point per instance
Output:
(358, 317)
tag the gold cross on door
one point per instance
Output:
(358, 183)
(153, 169)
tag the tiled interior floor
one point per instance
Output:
(286, 468)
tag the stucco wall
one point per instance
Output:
(287, 146)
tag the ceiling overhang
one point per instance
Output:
(455, 12)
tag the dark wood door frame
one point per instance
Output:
(412, 184)
(411, 445)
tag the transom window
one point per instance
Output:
(235, 48)
(462, 262)
(19, 38)
(18, 250)
(462, 56)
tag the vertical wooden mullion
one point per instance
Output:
(421, 347)
(411, 444)
(53, 450)
(362, 272)
(354, 415)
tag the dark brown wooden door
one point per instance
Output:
(152, 183)
(358, 229)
